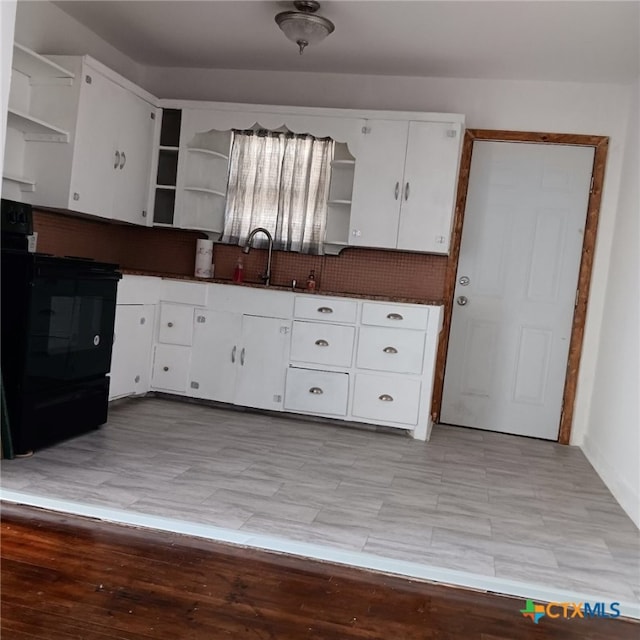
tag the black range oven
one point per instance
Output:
(57, 335)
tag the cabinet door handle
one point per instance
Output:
(385, 397)
(394, 316)
(406, 191)
(123, 160)
(165, 368)
(316, 391)
(322, 343)
(117, 162)
(397, 190)
(233, 354)
(390, 350)
(325, 310)
(242, 356)
(169, 324)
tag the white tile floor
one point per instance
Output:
(506, 509)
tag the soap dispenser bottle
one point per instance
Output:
(311, 281)
(238, 271)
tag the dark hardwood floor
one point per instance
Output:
(67, 577)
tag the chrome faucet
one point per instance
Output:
(247, 247)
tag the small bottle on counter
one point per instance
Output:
(238, 271)
(311, 281)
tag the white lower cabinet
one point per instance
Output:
(314, 391)
(387, 398)
(346, 359)
(171, 368)
(132, 348)
(239, 359)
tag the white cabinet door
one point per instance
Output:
(131, 356)
(171, 368)
(378, 183)
(262, 362)
(93, 174)
(216, 354)
(176, 324)
(429, 191)
(135, 145)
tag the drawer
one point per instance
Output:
(395, 350)
(194, 293)
(397, 316)
(325, 309)
(171, 368)
(176, 324)
(320, 343)
(309, 391)
(386, 399)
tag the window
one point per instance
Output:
(279, 181)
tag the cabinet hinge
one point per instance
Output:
(153, 116)
(201, 319)
(366, 130)
(591, 185)
(88, 79)
(195, 385)
(451, 133)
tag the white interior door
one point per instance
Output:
(516, 287)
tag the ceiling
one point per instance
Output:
(520, 39)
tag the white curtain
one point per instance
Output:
(279, 181)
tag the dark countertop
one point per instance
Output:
(275, 287)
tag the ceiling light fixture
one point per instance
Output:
(302, 26)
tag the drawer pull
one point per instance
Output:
(322, 343)
(325, 310)
(390, 350)
(385, 397)
(394, 316)
(169, 324)
(317, 391)
(165, 368)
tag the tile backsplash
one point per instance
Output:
(172, 252)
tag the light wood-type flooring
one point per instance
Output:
(523, 516)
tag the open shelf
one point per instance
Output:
(34, 65)
(337, 164)
(203, 190)
(209, 152)
(34, 128)
(25, 184)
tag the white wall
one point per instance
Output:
(45, 28)
(597, 109)
(612, 439)
(7, 23)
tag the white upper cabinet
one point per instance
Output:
(104, 170)
(405, 185)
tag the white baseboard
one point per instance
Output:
(627, 495)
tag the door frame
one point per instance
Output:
(600, 145)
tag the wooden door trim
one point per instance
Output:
(600, 144)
